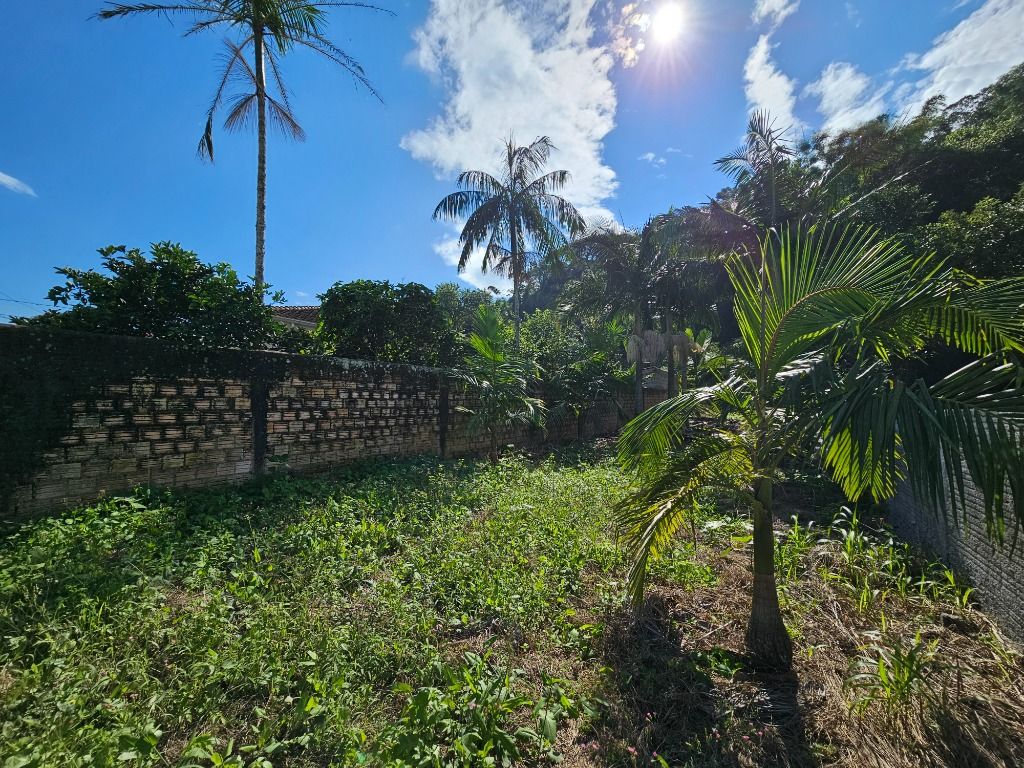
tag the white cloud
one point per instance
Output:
(626, 31)
(846, 97)
(853, 14)
(768, 88)
(673, 150)
(450, 250)
(652, 158)
(776, 11)
(16, 185)
(519, 68)
(970, 56)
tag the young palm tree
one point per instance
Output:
(267, 30)
(516, 218)
(828, 319)
(501, 383)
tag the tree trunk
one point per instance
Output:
(261, 162)
(638, 333)
(492, 452)
(516, 280)
(767, 639)
(673, 383)
(684, 364)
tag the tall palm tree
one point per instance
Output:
(517, 218)
(756, 167)
(829, 318)
(266, 30)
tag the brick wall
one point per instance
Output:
(996, 571)
(83, 416)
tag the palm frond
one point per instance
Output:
(328, 50)
(881, 430)
(648, 438)
(973, 420)
(458, 205)
(113, 10)
(282, 117)
(481, 181)
(649, 518)
(241, 112)
(808, 283)
(232, 60)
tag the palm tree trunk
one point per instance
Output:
(638, 330)
(515, 304)
(673, 384)
(516, 279)
(684, 364)
(261, 162)
(767, 639)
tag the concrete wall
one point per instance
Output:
(83, 416)
(996, 571)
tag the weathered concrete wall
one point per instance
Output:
(996, 571)
(83, 416)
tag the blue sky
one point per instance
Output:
(101, 119)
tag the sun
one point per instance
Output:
(667, 23)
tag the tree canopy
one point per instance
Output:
(169, 295)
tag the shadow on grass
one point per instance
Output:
(664, 701)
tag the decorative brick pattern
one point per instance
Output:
(188, 433)
(317, 422)
(85, 416)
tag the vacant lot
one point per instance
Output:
(455, 613)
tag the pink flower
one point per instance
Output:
(631, 750)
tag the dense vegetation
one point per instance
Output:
(854, 297)
(170, 295)
(467, 614)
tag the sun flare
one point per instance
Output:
(667, 23)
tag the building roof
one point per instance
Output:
(307, 317)
(304, 314)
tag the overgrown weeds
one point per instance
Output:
(461, 614)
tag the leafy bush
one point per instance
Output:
(375, 320)
(500, 381)
(170, 295)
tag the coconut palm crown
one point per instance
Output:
(516, 218)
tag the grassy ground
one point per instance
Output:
(430, 613)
